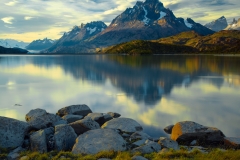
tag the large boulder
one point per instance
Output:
(64, 137)
(168, 143)
(72, 118)
(150, 147)
(123, 124)
(100, 118)
(98, 140)
(38, 141)
(35, 113)
(84, 125)
(12, 132)
(45, 120)
(81, 110)
(187, 131)
(232, 142)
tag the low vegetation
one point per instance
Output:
(187, 42)
(182, 154)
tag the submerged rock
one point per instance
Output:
(98, 140)
(124, 124)
(81, 110)
(187, 131)
(64, 138)
(12, 132)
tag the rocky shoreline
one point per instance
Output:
(78, 130)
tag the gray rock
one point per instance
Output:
(140, 135)
(124, 124)
(38, 141)
(14, 155)
(139, 158)
(64, 137)
(12, 132)
(168, 129)
(49, 132)
(98, 140)
(81, 110)
(35, 113)
(104, 159)
(72, 118)
(100, 118)
(140, 142)
(168, 143)
(185, 132)
(45, 121)
(150, 147)
(84, 125)
(194, 142)
(232, 142)
(114, 115)
(125, 135)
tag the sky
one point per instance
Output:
(28, 20)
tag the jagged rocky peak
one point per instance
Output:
(235, 25)
(90, 28)
(146, 13)
(218, 24)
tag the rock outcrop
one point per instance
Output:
(98, 140)
(38, 141)
(100, 118)
(187, 131)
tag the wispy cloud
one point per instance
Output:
(43, 16)
(8, 20)
(11, 3)
(28, 18)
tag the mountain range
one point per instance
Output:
(217, 25)
(40, 44)
(11, 43)
(235, 25)
(147, 20)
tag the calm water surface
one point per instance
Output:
(154, 90)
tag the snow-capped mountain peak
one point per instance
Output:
(10, 43)
(235, 25)
(218, 24)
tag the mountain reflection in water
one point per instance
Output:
(154, 90)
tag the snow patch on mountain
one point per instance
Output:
(91, 30)
(10, 43)
(189, 25)
(162, 14)
(145, 20)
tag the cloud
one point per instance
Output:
(8, 20)
(63, 14)
(11, 3)
(28, 18)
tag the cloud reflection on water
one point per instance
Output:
(155, 97)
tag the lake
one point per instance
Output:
(156, 91)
